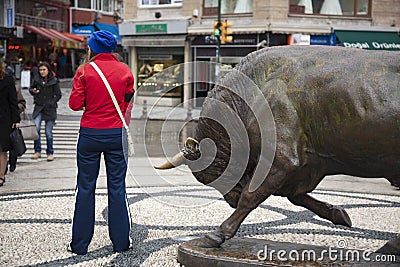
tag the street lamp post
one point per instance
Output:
(217, 51)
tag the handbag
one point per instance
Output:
(28, 128)
(17, 141)
(128, 133)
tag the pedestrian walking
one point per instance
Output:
(12, 155)
(9, 117)
(46, 92)
(101, 132)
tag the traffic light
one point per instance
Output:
(226, 32)
(217, 29)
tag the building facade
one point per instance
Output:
(54, 31)
(160, 34)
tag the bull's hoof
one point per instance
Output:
(339, 216)
(210, 240)
(391, 248)
(395, 184)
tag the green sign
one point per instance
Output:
(151, 28)
(369, 40)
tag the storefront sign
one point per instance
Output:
(299, 39)
(238, 39)
(323, 39)
(373, 45)
(151, 28)
(84, 30)
(369, 40)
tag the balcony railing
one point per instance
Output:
(40, 22)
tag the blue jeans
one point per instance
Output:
(48, 130)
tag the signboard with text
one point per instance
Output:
(151, 28)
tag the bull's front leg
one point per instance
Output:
(248, 201)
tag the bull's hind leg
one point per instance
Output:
(322, 209)
(391, 248)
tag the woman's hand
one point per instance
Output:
(15, 125)
(35, 91)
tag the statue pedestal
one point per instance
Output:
(242, 252)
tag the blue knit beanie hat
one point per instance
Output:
(102, 42)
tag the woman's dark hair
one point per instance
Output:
(47, 65)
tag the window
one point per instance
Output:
(160, 2)
(331, 7)
(107, 6)
(98, 5)
(227, 7)
(84, 4)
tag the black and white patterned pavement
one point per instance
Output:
(35, 226)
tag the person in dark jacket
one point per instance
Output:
(46, 93)
(13, 156)
(9, 117)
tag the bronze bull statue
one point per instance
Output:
(333, 111)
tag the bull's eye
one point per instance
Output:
(191, 150)
(191, 145)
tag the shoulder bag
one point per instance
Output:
(28, 128)
(128, 133)
(17, 141)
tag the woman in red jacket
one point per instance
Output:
(101, 132)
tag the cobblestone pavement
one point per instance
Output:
(35, 225)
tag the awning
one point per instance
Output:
(154, 41)
(236, 29)
(290, 28)
(369, 40)
(76, 37)
(59, 39)
(108, 27)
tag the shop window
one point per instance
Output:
(160, 2)
(160, 75)
(331, 7)
(210, 7)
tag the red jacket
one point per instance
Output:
(89, 92)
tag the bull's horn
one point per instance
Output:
(191, 147)
(176, 160)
